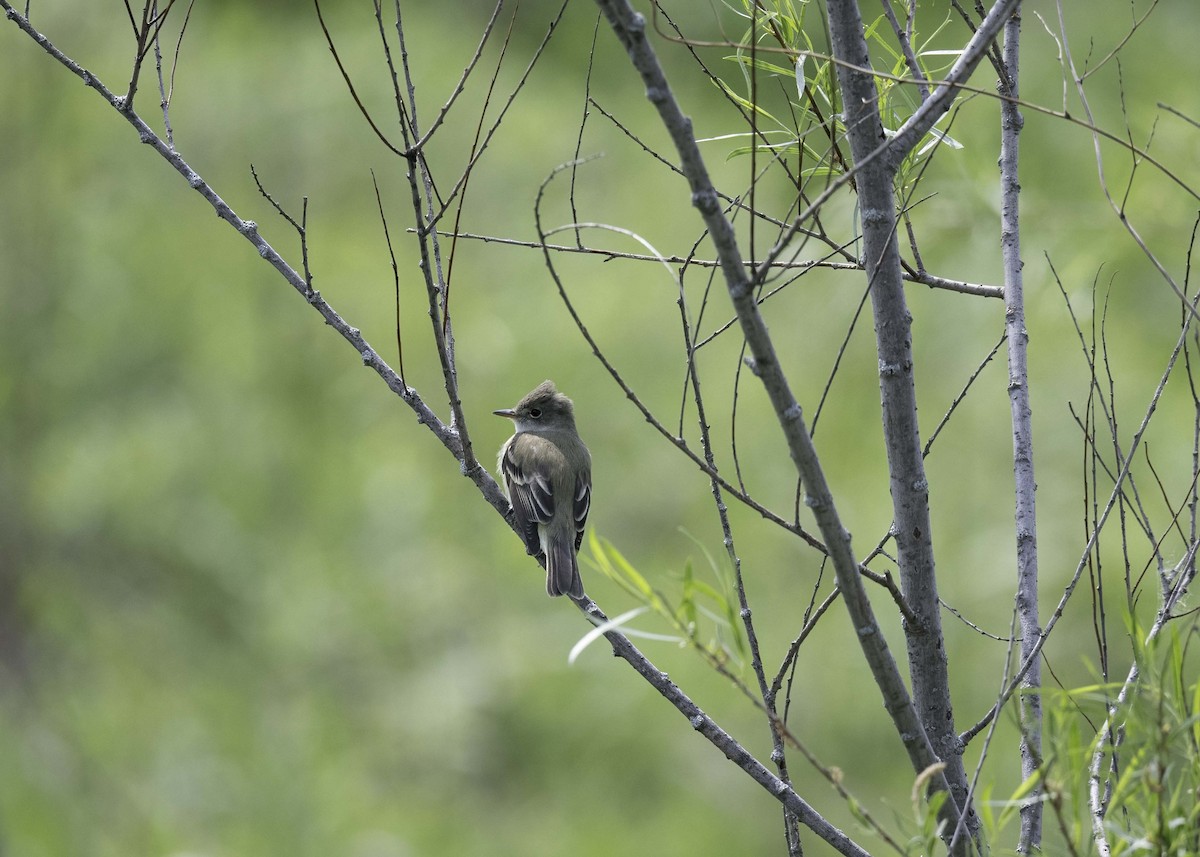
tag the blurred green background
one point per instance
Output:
(246, 604)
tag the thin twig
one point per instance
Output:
(1090, 546)
(462, 81)
(362, 108)
(387, 237)
(629, 28)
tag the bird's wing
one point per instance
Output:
(583, 504)
(531, 494)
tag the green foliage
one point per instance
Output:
(1151, 775)
(704, 616)
(815, 115)
(928, 836)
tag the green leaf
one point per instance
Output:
(598, 632)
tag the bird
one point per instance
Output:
(547, 472)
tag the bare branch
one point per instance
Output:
(350, 83)
(1101, 518)
(630, 29)
(724, 742)
(922, 278)
(908, 482)
(448, 436)
(387, 237)
(462, 80)
(1118, 209)
(1025, 513)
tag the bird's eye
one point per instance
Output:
(536, 413)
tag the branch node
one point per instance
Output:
(706, 200)
(194, 181)
(697, 721)
(248, 227)
(875, 216)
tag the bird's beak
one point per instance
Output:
(506, 412)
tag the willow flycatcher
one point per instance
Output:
(548, 473)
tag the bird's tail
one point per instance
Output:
(562, 569)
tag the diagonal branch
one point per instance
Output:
(909, 135)
(248, 229)
(723, 741)
(450, 438)
(629, 28)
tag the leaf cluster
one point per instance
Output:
(1151, 760)
(704, 616)
(814, 113)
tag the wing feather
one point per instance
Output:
(583, 505)
(531, 495)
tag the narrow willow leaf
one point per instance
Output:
(598, 632)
